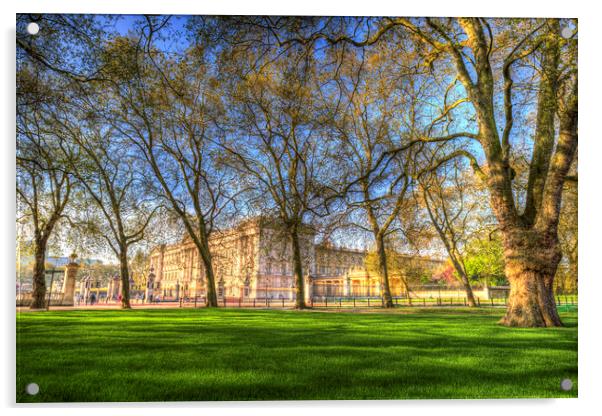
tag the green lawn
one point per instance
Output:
(230, 354)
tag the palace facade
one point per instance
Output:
(254, 261)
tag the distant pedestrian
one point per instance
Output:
(92, 299)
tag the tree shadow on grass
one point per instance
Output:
(271, 356)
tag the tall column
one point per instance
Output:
(308, 289)
(347, 285)
(69, 281)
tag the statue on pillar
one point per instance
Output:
(69, 281)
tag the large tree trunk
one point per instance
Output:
(405, 285)
(211, 301)
(298, 271)
(205, 254)
(38, 296)
(464, 280)
(531, 258)
(468, 289)
(125, 280)
(384, 272)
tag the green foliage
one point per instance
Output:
(484, 260)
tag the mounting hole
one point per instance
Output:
(32, 389)
(33, 28)
(566, 32)
(566, 384)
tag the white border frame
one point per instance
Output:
(590, 288)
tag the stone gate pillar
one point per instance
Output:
(69, 281)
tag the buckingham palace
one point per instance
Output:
(253, 261)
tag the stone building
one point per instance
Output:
(254, 261)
